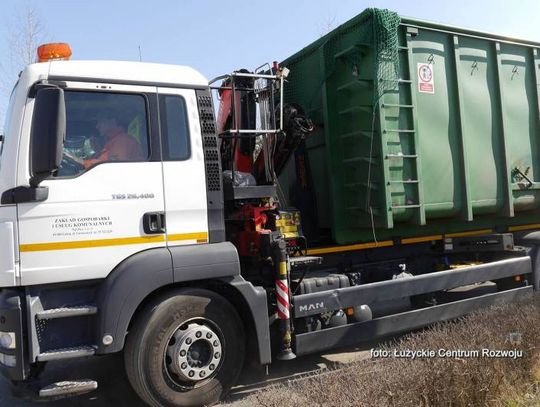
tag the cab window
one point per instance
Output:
(174, 128)
(103, 127)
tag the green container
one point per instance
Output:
(421, 129)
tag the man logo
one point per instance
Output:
(311, 307)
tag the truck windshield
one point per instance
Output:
(103, 127)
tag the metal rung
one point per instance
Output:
(398, 131)
(67, 312)
(352, 48)
(362, 82)
(376, 211)
(401, 156)
(412, 181)
(70, 387)
(362, 184)
(404, 81)
(402, 48)
(405, 206)
(358, 159)
(365, 133)
(353, 109)
(385, 105)
(66, 353)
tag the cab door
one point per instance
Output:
(98, 209)
(183, 167)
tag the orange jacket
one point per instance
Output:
(120, 147)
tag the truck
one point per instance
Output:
(383, 178)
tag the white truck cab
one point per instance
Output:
(111, 197)
(97, 210)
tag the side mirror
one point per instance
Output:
(47, 134)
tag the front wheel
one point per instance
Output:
(186, 348)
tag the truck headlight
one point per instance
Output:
(7, 340)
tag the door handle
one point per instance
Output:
(154, 222)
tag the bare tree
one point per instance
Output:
(326, 26)
(25, 36)
(25, 31)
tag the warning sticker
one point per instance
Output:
(425, 78)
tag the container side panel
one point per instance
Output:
(437, 128)
(521, 120)
(316, 154)
(352, 135)
(481, 122)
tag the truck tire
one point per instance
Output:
(185, 348)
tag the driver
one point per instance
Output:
(119, 146)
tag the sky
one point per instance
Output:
(217, 37)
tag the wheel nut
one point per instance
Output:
(209, 335)
(198, 334)
(183, 365)
(182, 353)
(107, 340)
(191, 373)
(215, 343)
(201, 374)
(212, 367)
(188, 341)
(217, 355)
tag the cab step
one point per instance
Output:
(68, 388)
(65, 312)
(66, 353)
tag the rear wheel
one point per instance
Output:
(186, 348)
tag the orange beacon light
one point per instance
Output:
(53, 51)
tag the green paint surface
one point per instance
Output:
(401, 162)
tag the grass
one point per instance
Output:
(437, 381)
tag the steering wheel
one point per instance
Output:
(69, 166)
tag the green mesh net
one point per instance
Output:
(374, 29)
(378, 30)
(384, 24)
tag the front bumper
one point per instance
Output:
(13, 363)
